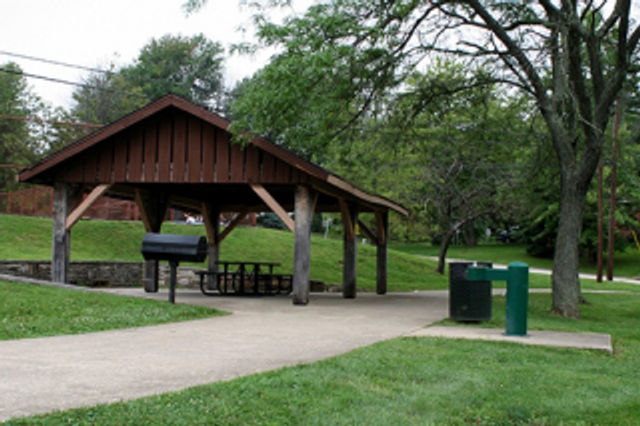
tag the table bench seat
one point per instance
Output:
(243, 283)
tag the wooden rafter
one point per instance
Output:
(77, 213)
(143, 211)
(273, 205)
(235, 222)
(209, 224)
(368, 231)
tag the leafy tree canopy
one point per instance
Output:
(188, 66)
(343, 56)
(20, 141)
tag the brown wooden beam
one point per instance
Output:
(314, 204)
(346, 220)
(350, 217)
(186, 203)
(368, 231)
(152, 208)
(143, 211)
(235, 222)
(382, 220)
(302, 245)
(273, 205)
(211, 219)
(382, 225)
(61, 236)
(77, 213)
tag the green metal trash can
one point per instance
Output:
(468, 300)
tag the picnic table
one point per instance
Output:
(236, 274)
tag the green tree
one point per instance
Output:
(187, 66)
(104, 98)
(20, 143)
(342, 55)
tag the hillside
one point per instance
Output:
(29, 238)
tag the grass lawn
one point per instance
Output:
(627, 264)
(423, 381)
(29, 238)
(33, 311)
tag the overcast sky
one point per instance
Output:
(95, 33)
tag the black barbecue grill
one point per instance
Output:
(175, 249)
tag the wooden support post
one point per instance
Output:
(302, 247)
(211, 218)
(61, 236)
(153, 208)
(382, 221)
(349, 219)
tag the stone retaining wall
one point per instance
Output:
(113, 274)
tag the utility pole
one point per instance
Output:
(600, 225)
(612, 206)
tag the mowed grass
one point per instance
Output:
(627, 263)
(29, 238)
(422, 381)
(34, 311)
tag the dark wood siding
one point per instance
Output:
(135, 155)
(194, 163)
(268, 167)
(90, 165)
(222, 156)
(208, 152)
(164, 150)
(252, 164)
(106, 161)
(237, 163)
(150, 149)
(177, 148)
(120, 158)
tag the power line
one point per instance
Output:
(70, 83)
(85, 68)
(54, 62)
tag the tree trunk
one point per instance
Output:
(565, 281)
(469, 233)
(444, 246)
(446, 239)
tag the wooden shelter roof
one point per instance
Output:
(176, 148)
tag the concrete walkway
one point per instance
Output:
(543, 271)
(44, 374)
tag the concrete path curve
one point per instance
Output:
(44, 374)
(543, 271)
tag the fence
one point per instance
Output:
(38, 201)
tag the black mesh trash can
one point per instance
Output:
(468, 300)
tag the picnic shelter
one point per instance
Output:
(173, 153)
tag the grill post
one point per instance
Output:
(172, 281)
(173, 248)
